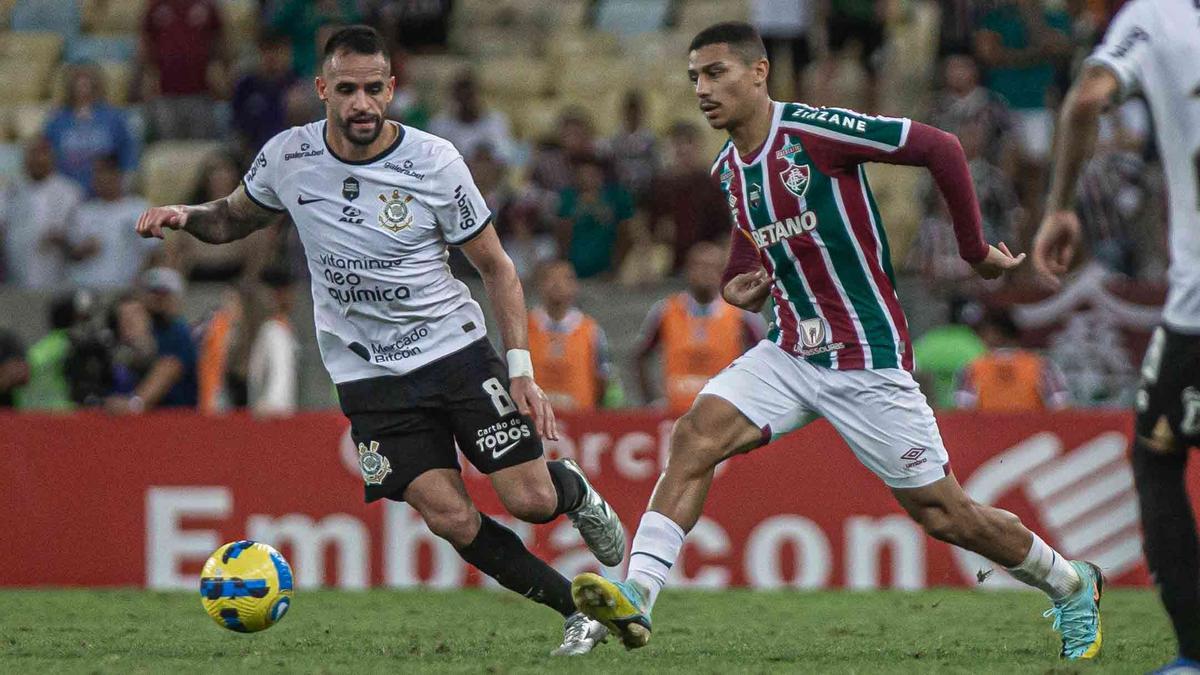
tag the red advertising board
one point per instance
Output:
(91, 500)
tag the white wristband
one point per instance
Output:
(519, 363)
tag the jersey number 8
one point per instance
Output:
(500, 398)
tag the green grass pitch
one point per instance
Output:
(940, 631)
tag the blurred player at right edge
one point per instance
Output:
(807, 232)
(1152, 48)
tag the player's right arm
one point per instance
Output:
(217, 222)
(745, 283)
(1059, 235)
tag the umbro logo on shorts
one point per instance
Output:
(914, 458)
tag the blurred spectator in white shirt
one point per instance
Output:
(468, 123)
(33, 212)
(101, 246)
(273, 370)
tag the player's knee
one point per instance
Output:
(458, 524)
(536, 504)
(693, 448)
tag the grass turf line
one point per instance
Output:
(937, 631)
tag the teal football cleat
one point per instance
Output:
(618, 605)
(1077, 617)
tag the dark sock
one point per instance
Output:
(498, 552)
(568, 485)
(1169, 528)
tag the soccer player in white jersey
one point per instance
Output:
(376, 204)
(1152, 49)
(807, 233)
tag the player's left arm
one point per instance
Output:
(918, 144)
(508, 305)
(1079, 121)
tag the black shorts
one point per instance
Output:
(1168, 400)
(868, 33)
(797, 49)
(405, 425)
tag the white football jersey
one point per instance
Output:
(375, 234)
(1153, 47)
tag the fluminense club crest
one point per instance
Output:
(795, 178)
(374, 466)
(395, 214)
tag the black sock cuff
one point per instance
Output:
(568, 485)
(491, 536)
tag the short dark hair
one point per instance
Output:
(740, 36)
(355, 39)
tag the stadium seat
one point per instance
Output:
(23, 82)
(514, 76)
(431, 75)
(101, 48)
(667, 50)
(113, 16)
(39, 46)
(482, 43)
(696, 15)
(568, 14)
(29, 119)
(58, 16)
(170, 169)
(582, 43)
(893, 188)
(532, 118)
(631, 17)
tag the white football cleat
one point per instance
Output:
(597, 523)
(580, 636)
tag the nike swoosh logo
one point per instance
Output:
(500, 452)
(302, 201)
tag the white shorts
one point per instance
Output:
(1035, 132)
(881, 414)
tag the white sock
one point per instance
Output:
(1047, 570)
(655, 549)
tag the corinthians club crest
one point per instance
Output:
(374, 466)
(795, 178)
(395, 214)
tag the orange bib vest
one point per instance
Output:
(1008, 382)
(694, 348)
(564, 363)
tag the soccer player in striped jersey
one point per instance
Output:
(807, 233)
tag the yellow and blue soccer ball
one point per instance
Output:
(246, 586)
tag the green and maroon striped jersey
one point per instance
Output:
(803, 200)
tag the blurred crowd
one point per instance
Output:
(630, 204)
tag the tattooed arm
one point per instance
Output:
(216, 222)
